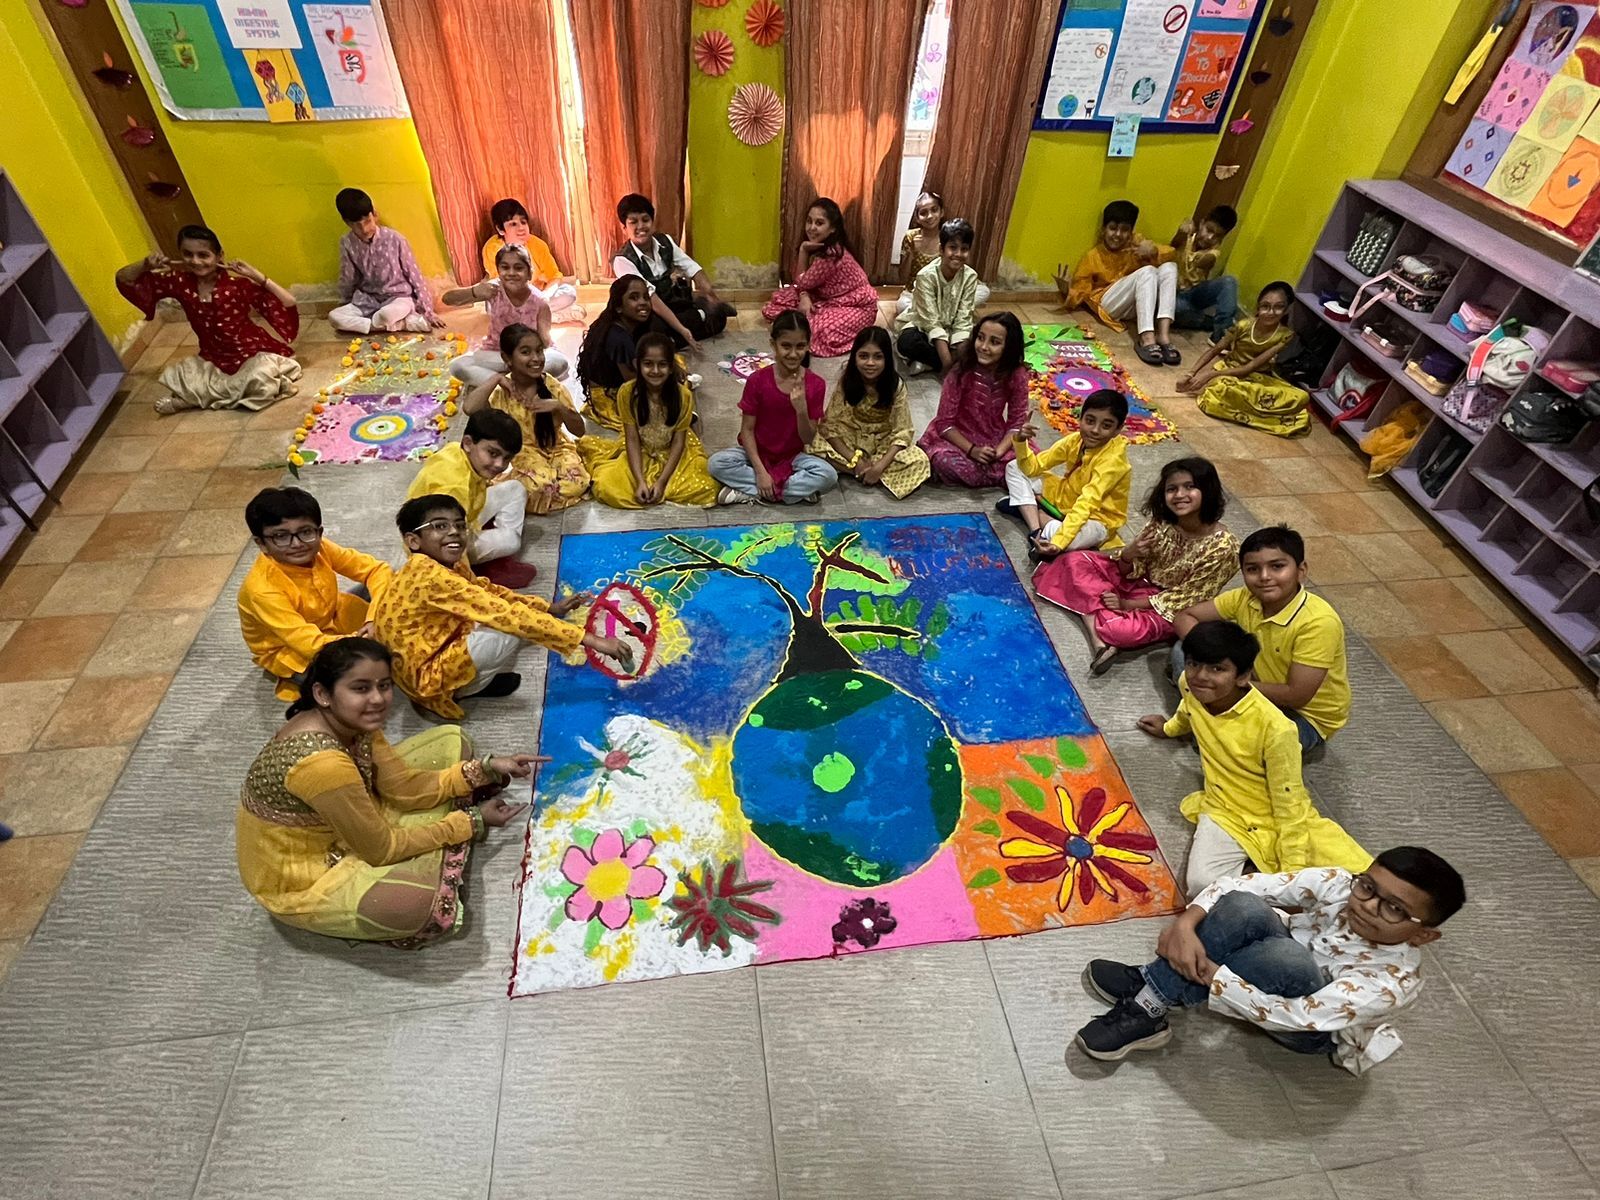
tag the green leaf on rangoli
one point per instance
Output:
(987, 877)
(992, 828)
(1071, 754)
(639, 828)
(557, 917)
(643, 910)
(591, 940)
(1043, 767)
(987, 796)
(1028, 793)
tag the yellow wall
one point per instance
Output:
(64, 170)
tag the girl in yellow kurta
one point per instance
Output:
(341, 834)
(866, 430)
(548, 465)
(1243, 388)
(659, 456)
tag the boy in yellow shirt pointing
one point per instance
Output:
(1091, 497)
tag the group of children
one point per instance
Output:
(1259, 669)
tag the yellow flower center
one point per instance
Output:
(609, 880)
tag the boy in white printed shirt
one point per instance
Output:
(1320, 959)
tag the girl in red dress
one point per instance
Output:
(830, 287)
(241, 364)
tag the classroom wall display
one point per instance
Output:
(1172, 63)
(267, 60)
(1532, 148)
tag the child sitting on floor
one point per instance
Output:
(514, 227)
(1195, 246)
(1253, 806)
(1301, 668)
(454, 634)
(681, 293)
(464, 470)
(511, 300)
(290, 605)
(983, 401)
(779, 412)
(547, 465)
(240, 364)
(1242, 388)
(920, 246)
(1184, 555)
(1124, 275)
(379, 281)
(830, 288)
(866, 431)
(935, 329)
(1092, 497)
(659, 456)
(1318, 960)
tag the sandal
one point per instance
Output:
(1150, 355)
(1101, 663)
(1170, 354)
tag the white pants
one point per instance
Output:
(491, 652)
(507, 506)
(1213, 855)
(904, 301)
(1023, 492)
(400, 313)
(560, 297)
(1148, 295)
(479, 366)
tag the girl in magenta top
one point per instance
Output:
(830, 287)
(780, 409)
(984, 400)
(511, 300)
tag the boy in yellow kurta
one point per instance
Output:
(452, 632)
(1124, 275)
(462, 470)
(1254, 807)
(290, 604)
(1092, 497)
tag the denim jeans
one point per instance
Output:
(1221, 293)
(1244, 933)
(810, 474)
(1310, 739)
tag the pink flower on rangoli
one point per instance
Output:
(611, 875)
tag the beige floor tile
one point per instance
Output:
(1491, 601)
(46, 791)
(201, 452)
(1349, 467)
(31, 868)
(1290, 511)
(1425, 667)
(1567, 722)
(1345, 512)
(24, 586)
(190, 582)
(1303, 476)
(1396, 511)
(286, 414)
(232, 487)
(118, 455)
(92, 587)
(1588, 870)
(1589, 773)
(1389, 556)
(170, 335)
(1330, 560)
(9, 949)
(7, 628)
(208, 531)
(213, 421)
(1555, 658)
(103, 712)
(1559, 805)
(130, 535)
(1441, 606)
(52, 647)
(95, 493)
(1371, 609)
(142, 643)
(1498, 662)
(257, 447)
(28, 708)
(1491, 735)
(59, 538)
(1248, 478)
(163, 491)
(136, 416)
(1447, 558)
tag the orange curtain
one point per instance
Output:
(633, 63)
(992, 77)
(848, 75)
(486, 103)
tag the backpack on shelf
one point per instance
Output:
(1546, 417)
(1443, 463)
(1372, 242)
(1387, 336)
(1355, 392)
(1436, 371)
(1420, 281)
(1475, 405)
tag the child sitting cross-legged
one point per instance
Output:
(290, 604)
(1205, 302)
(464, 469)
(866, 431)
(1319, 959)
(454, 634)
(379, 281)
(1253, 807)
(547, 465)
(983, 401)
(935, 329)
(514, 227)
(511, 300)
(1242, 387)
(1092, 497)
(1125, 275)
(920, 246)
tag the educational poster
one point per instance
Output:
(286, 61)
(1171, 63)
(1532, 148)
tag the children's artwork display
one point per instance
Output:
(825, 754)
(1171, 63)
(1532, 148)
(268, 60)
(1067, 365)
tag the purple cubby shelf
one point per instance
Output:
(58, 373)
(1516, 507)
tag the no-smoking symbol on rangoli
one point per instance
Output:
(1177, 17)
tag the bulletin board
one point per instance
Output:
(1173, 63)
(267, 60)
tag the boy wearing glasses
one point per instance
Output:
(1318, 959)
(290, 604)
(453, 633)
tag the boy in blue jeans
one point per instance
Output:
(1195, 248)
(1319, 960)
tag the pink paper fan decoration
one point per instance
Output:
(763, 21)
(713, 52)
(755, 114)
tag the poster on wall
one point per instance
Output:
(286, 61)
(1172, 63)
(1532, 148)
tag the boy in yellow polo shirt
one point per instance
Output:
(1301, 667)
(1092, 496)
(463, 470)
(1254, 807)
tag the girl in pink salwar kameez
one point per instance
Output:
(829, 287)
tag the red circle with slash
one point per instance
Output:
(623, 611)
(1177, 17)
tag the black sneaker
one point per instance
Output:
(1005, 508)
(502, 684)
(1111, 981)
(1117, 1034)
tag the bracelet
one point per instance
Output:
(480, 827)
(478, 773)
